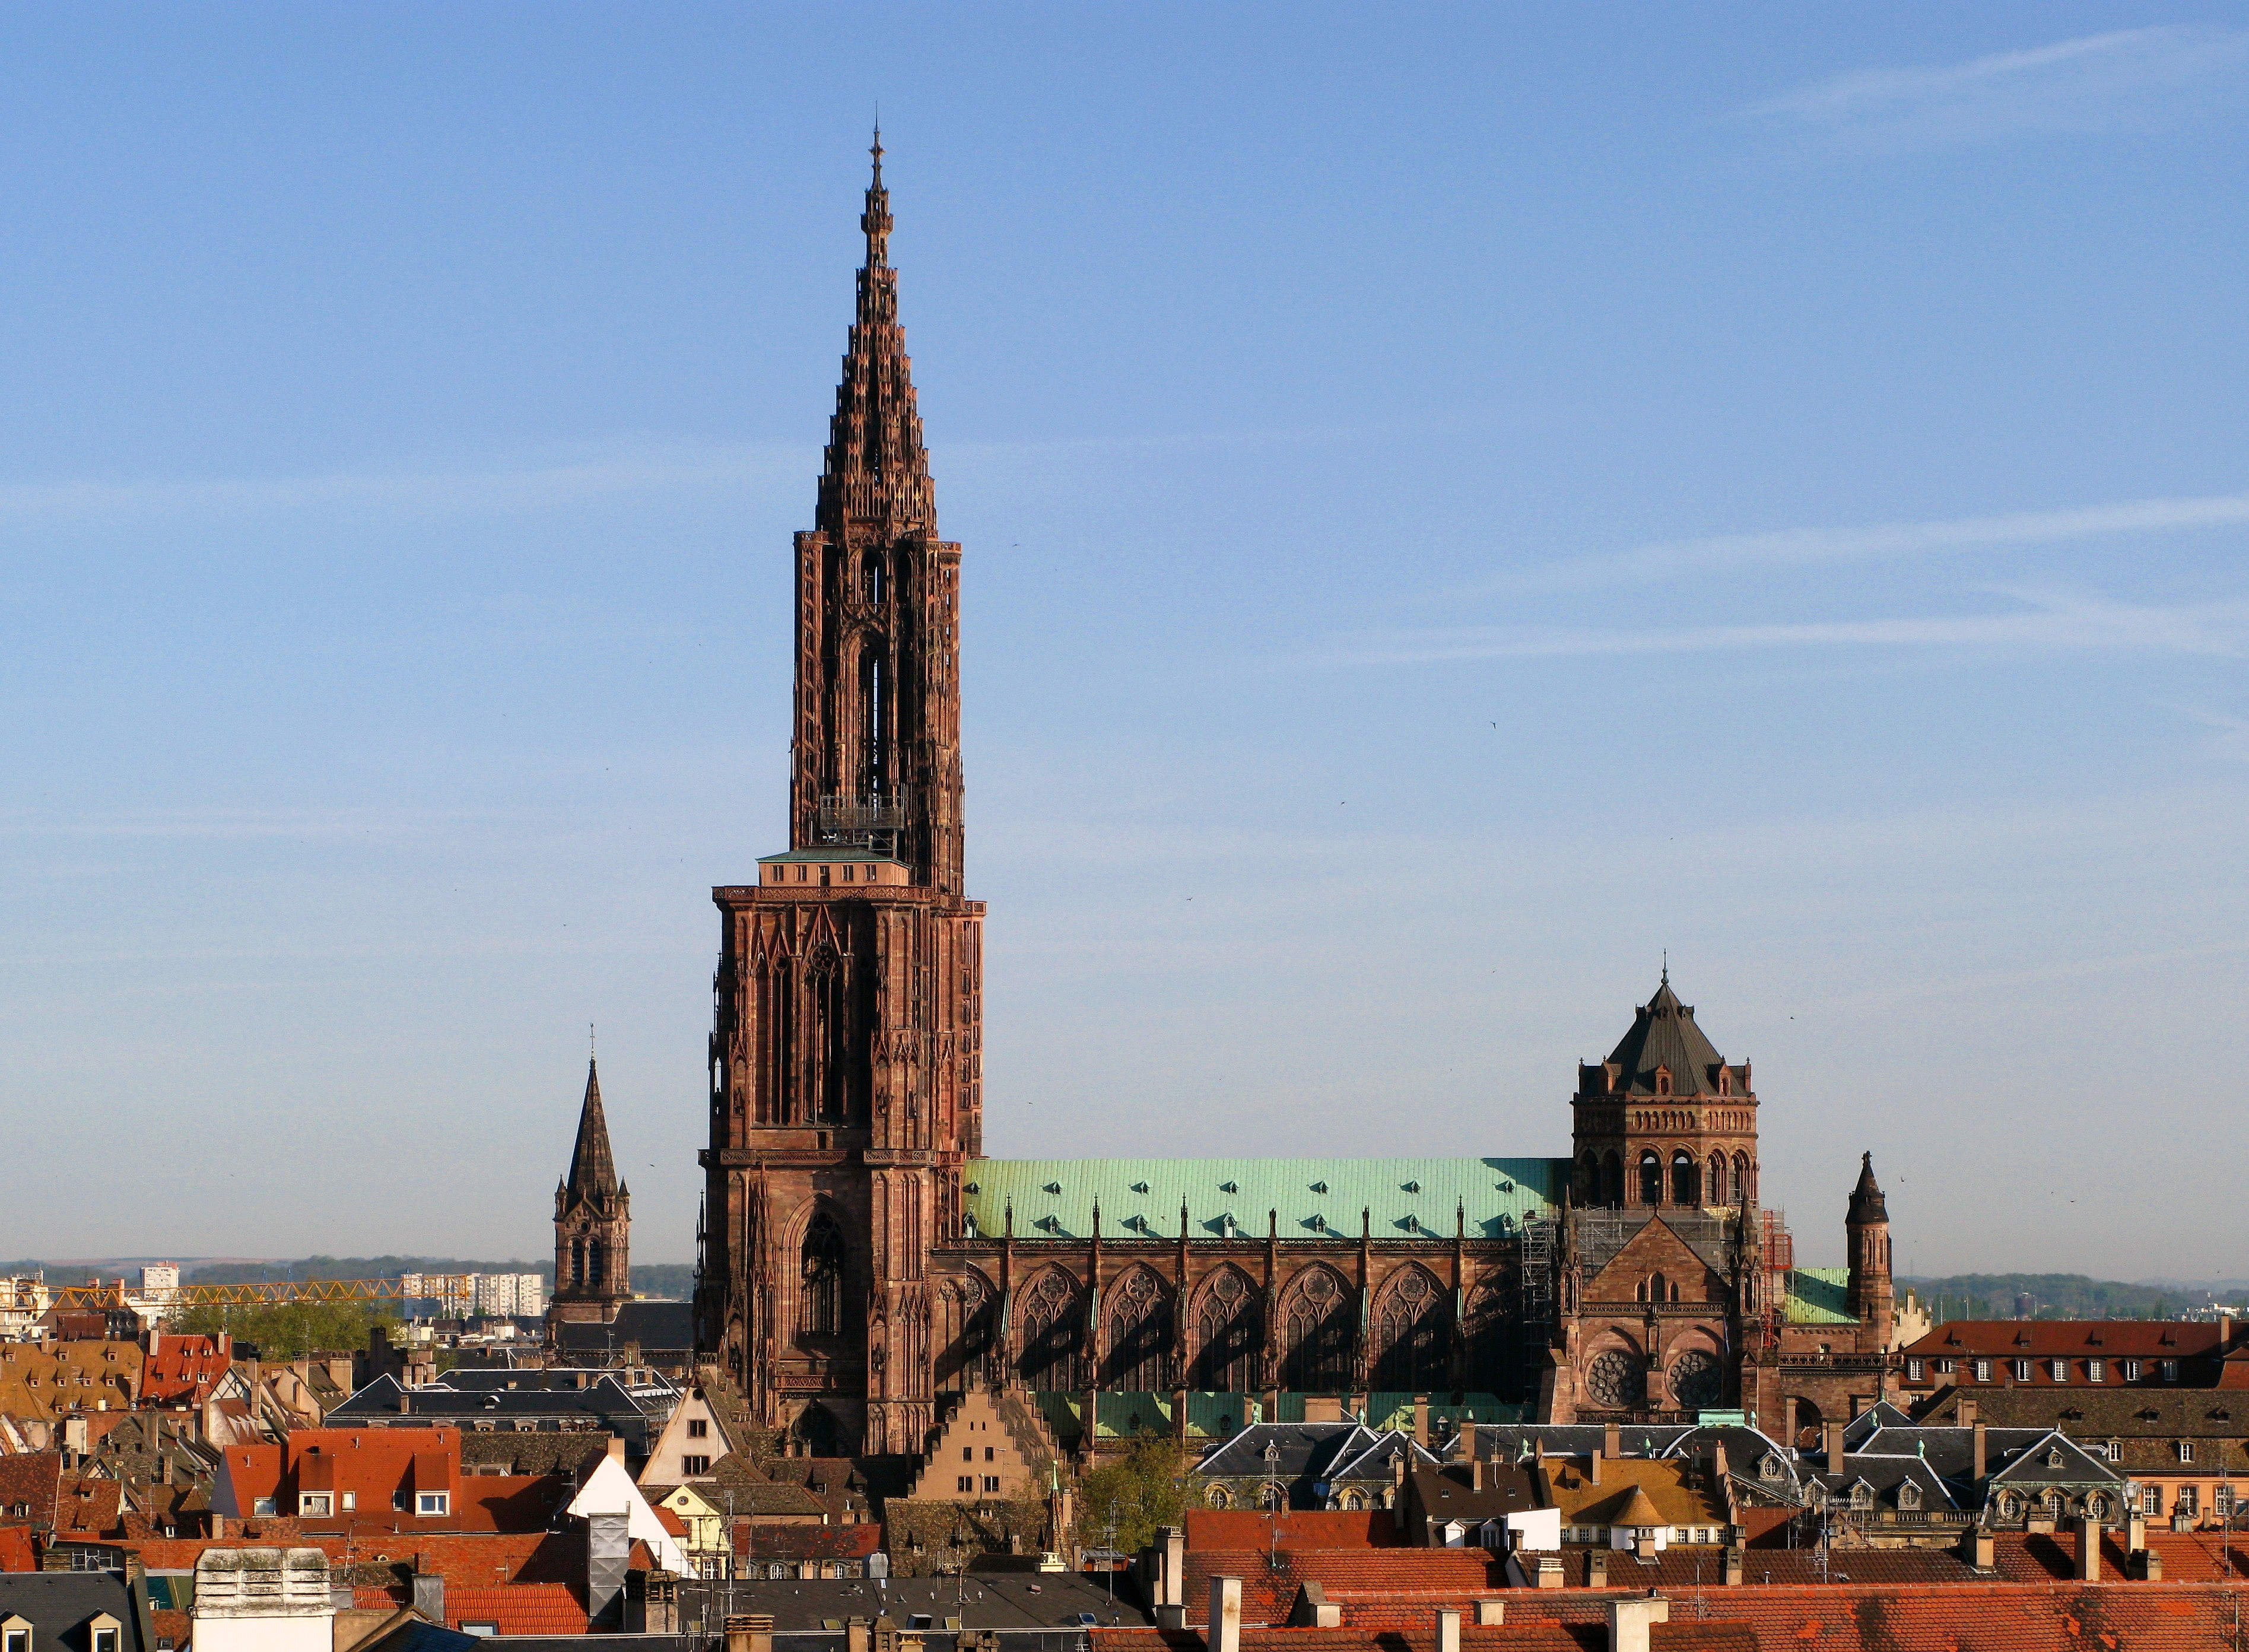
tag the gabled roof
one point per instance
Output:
(1664, 1035)
(2067, 1339)
(1311, 1199)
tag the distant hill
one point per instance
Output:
(675, 1280)
(2055, 1296)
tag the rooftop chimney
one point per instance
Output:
(1733, 1564)
(1835, 1457)
(1489, 1612)
(1421, 1421)
(1475, 1473)
(1982, 1448)
(1172, 1582)
(1448, 1631)
(1224, 1632)
(1612, 1441)
(2088, 1550)
(1966, 1412)
(1593, 1470)
(1629, 1620)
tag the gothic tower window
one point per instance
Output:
(1741, 1179)
(872, 581)
(1651, 1179)
(1685, 1183)
(1716, 1183)
(577, 1263)
(820, 1306)
(1589, 1178)
(1612, 1179)
(1316, 1332)
(1227, 1334)
(875, 716)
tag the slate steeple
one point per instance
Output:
(592, 1171)
(593, 1220)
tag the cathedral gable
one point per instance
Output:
(1653, 1254)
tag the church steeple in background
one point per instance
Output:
(593, 1220)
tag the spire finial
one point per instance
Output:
(877, 220)
(590, 1041)
(1666, 965)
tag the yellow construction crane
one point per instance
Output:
(270, 1293)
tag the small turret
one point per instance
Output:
(1867, 1226)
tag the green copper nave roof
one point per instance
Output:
(1315, 1198)
(1818, 1296)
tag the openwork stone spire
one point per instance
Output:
(876, 479)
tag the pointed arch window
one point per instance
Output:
(1227, 1334)
(1412, 1333)
(876, 717)
(874, 582)
(1316, 1332)
(577, 1263)
(1716, 1184)
(1741, 1179)
(597, 1264)
(1139, 1333)
(1054, 1340)
(820, 1310)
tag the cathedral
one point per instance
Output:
(862, 1264)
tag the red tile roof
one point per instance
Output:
(183, 1369)
(521, 1608)
(1439, 1577)
(1298, 1529)
(1991, 1617)
(807, 1542)
(2068, 1339)
(29, 1483)
(2187, 1556)
(481, 1560)
(16, 1551)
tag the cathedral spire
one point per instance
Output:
(593, 1172)
(875, 484)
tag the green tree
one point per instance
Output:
(293, 1329)
(1123, 1503)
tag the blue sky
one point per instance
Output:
(1456, 503)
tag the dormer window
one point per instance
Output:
(1663, 1081)
(316, 1504)
(1909, 1495)
(1725, 1082)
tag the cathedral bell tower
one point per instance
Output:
(845, 1058)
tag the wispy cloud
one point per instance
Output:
(2042, 621)
(500, 488)
(2124, 79)
(1810, 546)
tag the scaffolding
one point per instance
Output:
(1534, 1319)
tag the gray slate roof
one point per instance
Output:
(58, 1606)
(1664, 1035)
